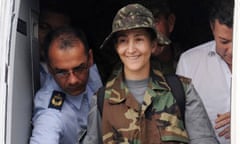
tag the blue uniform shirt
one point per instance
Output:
(94, 80)
(43, 73)
(60, 126)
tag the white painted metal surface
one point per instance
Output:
(18, 47)
(235, 107)
(7, 23)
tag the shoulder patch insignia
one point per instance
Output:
(57, 100)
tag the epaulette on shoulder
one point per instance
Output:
(185, 79)
(57, 99)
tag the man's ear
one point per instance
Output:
(171, 22)
(90, 58)
(212, 26)
(154, 46)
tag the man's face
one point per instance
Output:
(70, 67)
(50, 21)
(223, 37)
(164, 25)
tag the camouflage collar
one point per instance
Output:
(117, 91)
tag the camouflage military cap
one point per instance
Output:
(134, 16)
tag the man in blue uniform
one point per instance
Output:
(52, 18)
(62, 104)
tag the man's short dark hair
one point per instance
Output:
(222, 10)
(67, 37)
(55, 6)
(159, 7)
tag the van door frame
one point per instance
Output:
(235, 97)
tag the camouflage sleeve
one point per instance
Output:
(106, 129)
(94, 135)
(197, 123)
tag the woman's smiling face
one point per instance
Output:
(134, 48)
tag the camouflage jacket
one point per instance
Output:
(158, 119)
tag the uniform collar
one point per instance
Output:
(212, 53)
(75, 100)
(43, 67)
(78, 100)
(212, 49)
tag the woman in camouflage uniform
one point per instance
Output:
(139, 107)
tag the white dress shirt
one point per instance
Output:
(211, 77)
